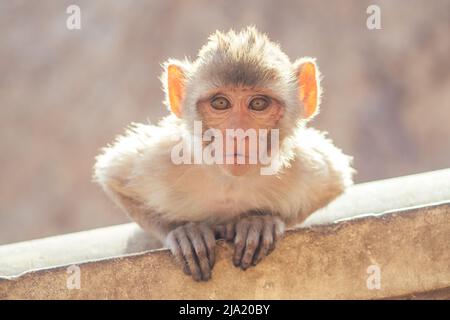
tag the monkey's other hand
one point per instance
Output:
(256, 236)
(193, 246)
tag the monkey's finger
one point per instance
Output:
(239, 241)
(265, 243)
(229, 231)
(210, 244)
(277, 231)
(174, 246)
(195, 236)
(252, 243)
(189, 255)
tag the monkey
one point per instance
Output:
(239, 81)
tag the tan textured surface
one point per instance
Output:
(411, 247)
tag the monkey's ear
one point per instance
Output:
(174, 79)
(308, 80)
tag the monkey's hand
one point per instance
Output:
(255, 238)
(193, 246)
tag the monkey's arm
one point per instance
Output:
(146, 218)
(192, 244)
(321, 172)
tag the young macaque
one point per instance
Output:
(233, 160)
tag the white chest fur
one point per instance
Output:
(221, 196)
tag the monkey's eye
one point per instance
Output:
(259, 104)
(220, 103)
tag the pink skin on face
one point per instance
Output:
(240, 108)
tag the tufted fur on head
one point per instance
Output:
(245, 59)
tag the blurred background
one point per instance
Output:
(64, 94)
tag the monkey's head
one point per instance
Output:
(243, 81)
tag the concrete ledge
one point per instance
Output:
(410, 246)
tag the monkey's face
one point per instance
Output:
(244, 117)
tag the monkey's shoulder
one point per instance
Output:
(312, 146)
(136, 151)
(140, 138)
(320, 163)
